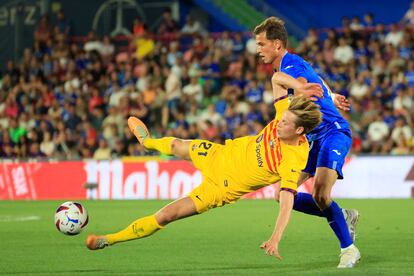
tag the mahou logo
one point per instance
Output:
(19, 181)
(146, 180)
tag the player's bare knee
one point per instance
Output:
(175, 144)
(166, 215)
(321, 199)
(180, 149)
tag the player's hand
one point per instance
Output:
(271, 248)
(341, 102)
(311, 91)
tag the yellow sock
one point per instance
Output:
(162, 145)
(140, 228)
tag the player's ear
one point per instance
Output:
(277, 44)
(300, 130)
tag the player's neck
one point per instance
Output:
(278, 60)
(295, 141)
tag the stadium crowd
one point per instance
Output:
(68, 100)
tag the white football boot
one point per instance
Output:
(349, 257)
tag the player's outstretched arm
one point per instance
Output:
(271, 247)
(301, 88)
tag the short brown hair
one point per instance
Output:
(307, 112)
(274, 28)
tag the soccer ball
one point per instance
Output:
(71, 218)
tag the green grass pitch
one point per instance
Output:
(224, 241)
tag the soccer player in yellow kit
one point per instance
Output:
(278, 153)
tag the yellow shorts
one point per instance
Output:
(215, 190)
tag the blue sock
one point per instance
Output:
(338, 224)
(306, 204)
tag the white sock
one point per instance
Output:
(346, 248)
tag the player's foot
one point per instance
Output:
(94, 242)
(138, 128)
(351, 217)
(349, 257)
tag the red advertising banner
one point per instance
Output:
(42, 180)
(151, 179)
(116, 180)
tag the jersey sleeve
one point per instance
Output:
(281, 105)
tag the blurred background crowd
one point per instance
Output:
(69, 98)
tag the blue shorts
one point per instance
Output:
(329, 152)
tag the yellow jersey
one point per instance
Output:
(252, 162)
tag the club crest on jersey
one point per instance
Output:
(271, 144)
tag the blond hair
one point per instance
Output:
(308, 114)
(274, 28)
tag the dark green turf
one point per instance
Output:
(224, 241)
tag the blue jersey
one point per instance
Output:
(296, 67)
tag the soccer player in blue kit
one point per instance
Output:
(329, 142)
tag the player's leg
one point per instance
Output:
(331, 158)
(325, 178)
(146, 226)
(204, 197)
(165, 145)
(181, 208)
(304, 202)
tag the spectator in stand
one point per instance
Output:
(7, 152)
(225, 43)
(172, 94)
(395, 36)
(346, 22)
(368, 21)
(119, 150)
(63, 25)
(192, 27)
(92, 43)
(405, 48)
(238, 44)
(402, 130)
(378, 132)
(211, 114)
(42, 31)
(107, 48)
(343, 52)
(193, 91)
(356, 24)
(139, 28)
(310, 39)
(168, 24)
(35, 152)
(409, 15)
(47, 146)
(401, 147)
(103, 152)
(358, 88)
(328, 51)
(15, 131)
